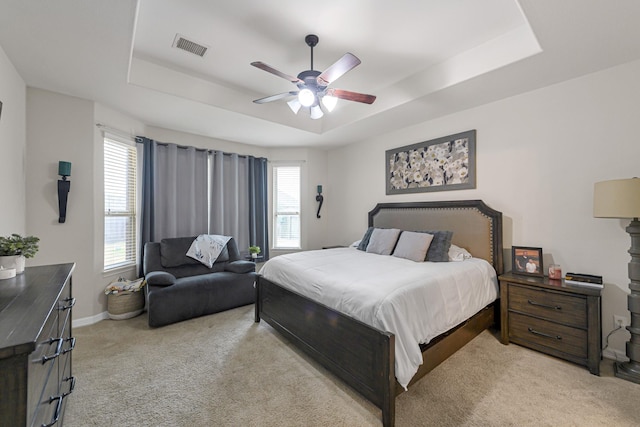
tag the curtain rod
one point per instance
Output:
(115, 131)
(136, 139)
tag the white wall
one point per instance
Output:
(60, 127)
(538, 156)
(12, 149)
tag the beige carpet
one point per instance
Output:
(225, 370)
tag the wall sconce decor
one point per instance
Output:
(319, 198)
(64, 170)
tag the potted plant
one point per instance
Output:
(254, 251)
(15, 248)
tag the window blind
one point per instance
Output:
(286, 206)
(119, 204)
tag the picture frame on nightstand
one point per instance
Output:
(527, 261)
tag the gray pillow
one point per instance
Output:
(383, 240)
(365, 239)
(413, 246)
(173, 251)
(160, 278)
(439, 248)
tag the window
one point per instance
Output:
(286, 217)
(119, 204)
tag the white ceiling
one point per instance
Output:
(422, 59)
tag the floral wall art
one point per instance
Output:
(447, 163)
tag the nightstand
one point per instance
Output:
(552, 317)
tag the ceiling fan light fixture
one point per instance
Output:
(295, 105)
(316, 112)
(306, 97)
(329, 102)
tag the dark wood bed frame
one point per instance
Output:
(361, 355)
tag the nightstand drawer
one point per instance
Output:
(566, 309)
(523, 329)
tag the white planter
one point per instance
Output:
(13, 261)
(254, 256)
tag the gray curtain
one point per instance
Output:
(174, 191)
(258, 213)
(229, 196)
(187, 192)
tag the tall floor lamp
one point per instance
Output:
(620, 198)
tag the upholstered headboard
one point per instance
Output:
(476, 227)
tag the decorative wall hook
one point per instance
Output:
(319, 198)
(64, 170)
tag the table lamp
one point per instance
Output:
(620, 198)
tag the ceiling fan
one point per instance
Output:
(313, 90)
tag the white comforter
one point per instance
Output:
(416, 301)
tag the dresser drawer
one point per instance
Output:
(554, 306)
(525, 329)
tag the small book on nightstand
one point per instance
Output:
(580, 279)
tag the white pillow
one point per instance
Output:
(458, 254)
(383, 240)
(207, 247)
(413, 246)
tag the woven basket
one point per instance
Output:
(125, 305)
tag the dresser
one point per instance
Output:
(553, 317)
(36, 344)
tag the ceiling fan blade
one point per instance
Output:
(351, 96)
(272, 70)
(275, 97)
(339, 68)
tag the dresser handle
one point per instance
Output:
(45, 359)
(71, 347)
(537, 304)
(72, 385)
(60, 398)
(56, 414)
(71, 301)
(555, 337)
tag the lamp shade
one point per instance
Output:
(618, 198)
(64, 168)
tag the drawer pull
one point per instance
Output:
(60, 398)
(45, 359)
(542, 334)
(56, 414)
(71, 347)
(71, 301)
(537, 304)
(72, 385)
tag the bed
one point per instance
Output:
(364, 356)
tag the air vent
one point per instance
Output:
(190, 46)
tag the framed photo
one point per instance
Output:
(447, 163)
(527, 261)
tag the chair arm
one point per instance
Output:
(160, 278)
(240, 267)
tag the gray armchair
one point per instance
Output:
(180, 288)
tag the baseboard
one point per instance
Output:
(86, 321)
(616, 355)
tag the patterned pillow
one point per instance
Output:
(439, 248)
(207, 247)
